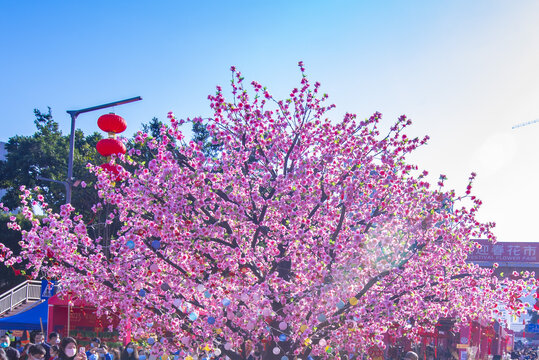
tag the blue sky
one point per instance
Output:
(464, 71)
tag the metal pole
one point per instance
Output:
(69, 184)
(74, 113)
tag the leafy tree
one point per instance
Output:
(202, 135)
(9, 277)
(303, 235)
(46, 154)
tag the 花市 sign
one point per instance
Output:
(506, 252)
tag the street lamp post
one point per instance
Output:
(74, 114)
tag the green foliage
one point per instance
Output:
(11, 238)
(45, 154)
(201, 134)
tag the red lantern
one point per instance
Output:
(107, 147)
(112, 170)
(112, 123)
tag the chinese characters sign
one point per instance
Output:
(506, 252)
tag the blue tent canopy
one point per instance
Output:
(27, 320)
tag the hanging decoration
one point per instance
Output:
(112, 124)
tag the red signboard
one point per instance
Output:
(81, 320)
(502, 252)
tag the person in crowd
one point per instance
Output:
(24, 352)
(130, 352)
(54, 338)
(11, 353)
(36, 352)
(54, 352)
(410, 355)
(18, 346)
(39, 339)
(68, 350)
(94, 344)
(114, 354)
(3, 355)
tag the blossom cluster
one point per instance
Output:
(309, 236)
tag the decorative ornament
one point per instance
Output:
(108, 147)
(340, 304)
(112, 123)
(156, 244)
(276, 351)
(193, 316)
(113, 170)
(321, 317)
(207, 294)
(165, 287)
(226, 302)
(353, 300)
(142, 293)
(282, 325)
(211, 320)
(130, 244)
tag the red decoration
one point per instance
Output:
(112, 123)
(107, 147)
(113, 170)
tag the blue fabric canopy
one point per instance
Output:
(27, 320)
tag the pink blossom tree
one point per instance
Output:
(307, 236)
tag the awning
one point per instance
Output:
(27, 320)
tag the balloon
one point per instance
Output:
(142, 293)
(211, 320)
(228, 346)
(302, 328)
(193, 316)
(207, 294)
(150, 324)
(156, 244)
(282, 337)
(177, 303)
(340, 304)
(151, 341)
(321, 317)
(165, 287)
(276, 350)
(282, 325)
(154, 267)
(266, 312)
(353, 301)
(130, 244)
(217, 352)
(284, 357)
(322, 342)
(200, 288)
(226, 302)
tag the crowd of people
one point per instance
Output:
(66, 348)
